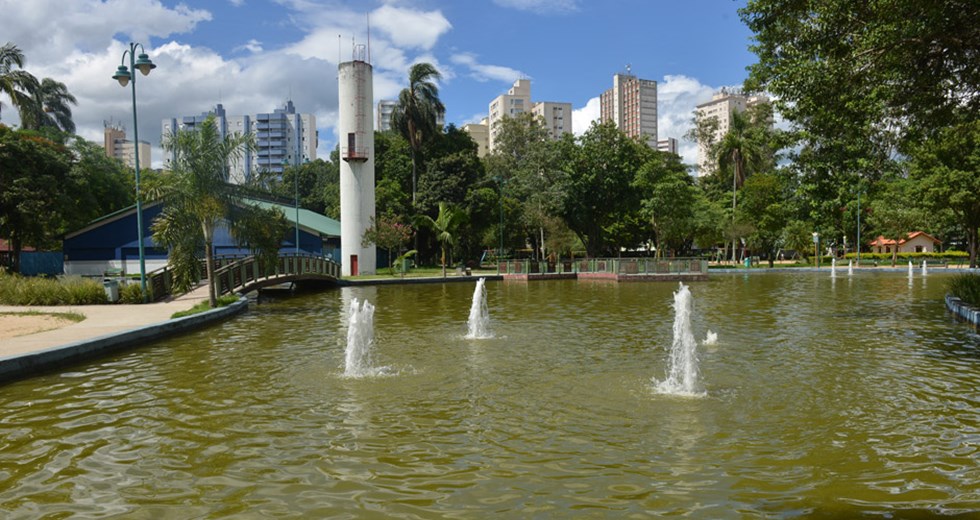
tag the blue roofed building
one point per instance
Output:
(110, 243)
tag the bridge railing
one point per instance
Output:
(606, 265)
(237, 275)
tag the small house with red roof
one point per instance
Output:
(915, 242)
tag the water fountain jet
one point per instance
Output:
(924, 272)
(479, 321)
(682, 371)
(833, 268)
(360, 339)
(850, 268)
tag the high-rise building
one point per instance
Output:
(632, 104)
(720, 108)
(480, 133)
(516, 101)
(557, 116)
(668, 145)
(282, 137)
(385, 108)
(116, 145)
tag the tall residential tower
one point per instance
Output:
(632, 104)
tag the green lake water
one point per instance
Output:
(825, 398)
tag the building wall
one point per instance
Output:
(283, 134)
(385, 108)
(668, 145)
(116, 145)
(720, 107)
(480, 133)
(516, 101)
(631, 104)
(557, 117)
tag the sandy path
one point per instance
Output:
(13, 325)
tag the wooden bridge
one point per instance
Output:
(243, 274)
(247, 274)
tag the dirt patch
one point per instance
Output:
(13, 325)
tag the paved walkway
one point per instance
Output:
(100, 320)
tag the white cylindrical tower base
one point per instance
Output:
(357, 205)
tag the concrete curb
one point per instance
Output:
(416, 281)
(16, 366)
(962, 310)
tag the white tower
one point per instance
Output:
(356, 128)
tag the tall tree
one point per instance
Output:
(764, 210)
(33, 189)
(197, 199)
(417, 111)
(946, 173)
(445, 225)
(884, 70)
(16, 83)
(739, 153)
(596, 185)
(50, 107)
(895, 212)
(669, 197)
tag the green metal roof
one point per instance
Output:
(310, 220)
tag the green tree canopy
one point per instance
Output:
(197, 199)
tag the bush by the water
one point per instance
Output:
(967, 288)
(64, 290)
(130, 292)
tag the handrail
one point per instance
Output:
(249, 270)
(619, 266)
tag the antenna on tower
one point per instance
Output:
(368, 37)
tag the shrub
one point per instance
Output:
(130, 292)
(65, 290)
(966, 287)
(223, 301)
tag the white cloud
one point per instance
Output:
(583, 117)
(237, 3)
(252, 46)
(475, 118)
(677, 97)
(540, 6)
(482, 72)
(409, 27)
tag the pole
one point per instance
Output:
(859, 230)
(295, 201)
(500, 252)
(136, 159)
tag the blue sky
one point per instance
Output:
(252, 55)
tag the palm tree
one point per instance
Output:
(16, 84)
(49, 107)
(445, 225)
(417, 111)
(197, 198)
(737, 150)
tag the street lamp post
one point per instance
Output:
(285, 164)
(124, 76)
(500, 252)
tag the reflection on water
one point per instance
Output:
(823, 400)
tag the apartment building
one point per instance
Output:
(116, 145)
(557, 116)
(632, 104)
(480, 133)
(720, 108)
(282, 137)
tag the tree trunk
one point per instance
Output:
(15, 246)
(973, 237)
(209, 267)
(895, 254)
(443, 261)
